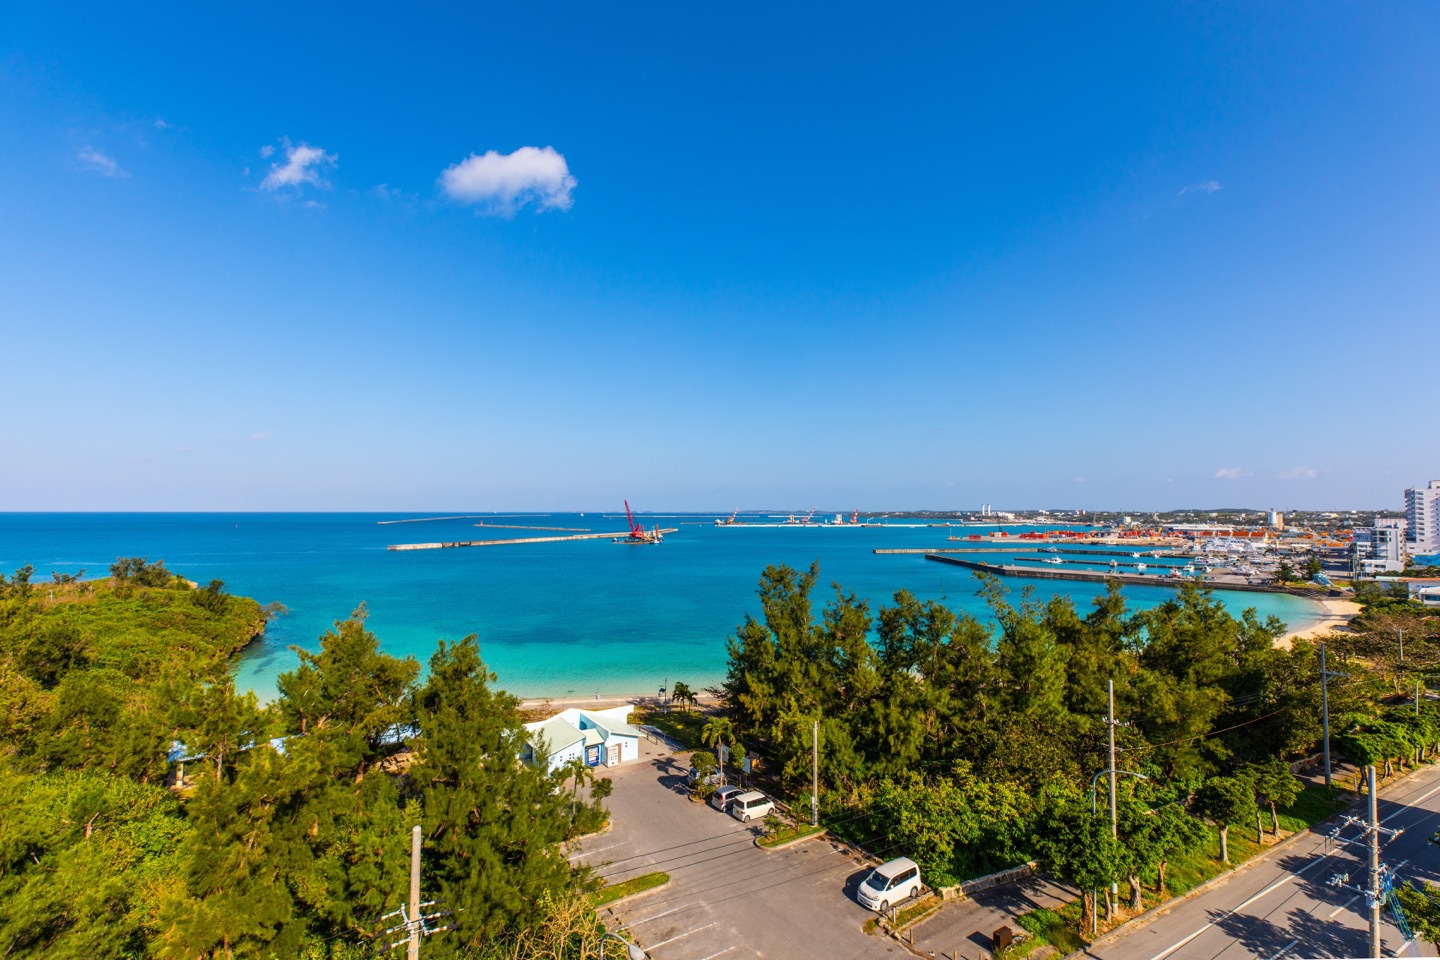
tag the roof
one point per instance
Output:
(751, 795)
(556, 733)
(593, 737)
(891, 867)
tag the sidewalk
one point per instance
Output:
(962, 928)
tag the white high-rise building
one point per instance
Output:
(1422, 519)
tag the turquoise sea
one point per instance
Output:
(554, 619)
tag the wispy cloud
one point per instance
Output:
(1228, 473)
(162, 124)
(93, 160)
(503, 183)
(303, 164)
(1078, 480)
(263, 435)
(1299, 473)
(1204, 186)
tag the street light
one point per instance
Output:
(1114, 834)
(634, 952)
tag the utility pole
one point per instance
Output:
(1114, 818)
(1325, 676)
(1379, 879)
(413, 923)
(1400, 632)
(815, 775)
(1374, 879)
(413, 951)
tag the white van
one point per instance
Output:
(889, 883)
(750, 805)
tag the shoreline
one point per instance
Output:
(1335, 615)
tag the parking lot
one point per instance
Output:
(726, 897)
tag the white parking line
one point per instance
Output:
(683, 906)
(1287, 946)
(720, 954)
(656, 946)
(591, 853)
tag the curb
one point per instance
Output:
(1140, 919)
(792, 841)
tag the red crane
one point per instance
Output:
(636, 530)
(638, 534)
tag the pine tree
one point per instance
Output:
(493, 826)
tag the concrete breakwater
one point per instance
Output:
(514, 540)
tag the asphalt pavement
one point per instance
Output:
(1284, 906)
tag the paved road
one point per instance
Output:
(1285, 907)
(727, 899)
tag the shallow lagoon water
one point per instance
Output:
(567, 619)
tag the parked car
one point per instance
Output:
(889, 883)
(695, 778)
(723, 797)
(748, 806)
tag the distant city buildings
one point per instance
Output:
(1277, 520)
(1378, 549)
(1422, 519)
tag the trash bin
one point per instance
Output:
(1001, 939)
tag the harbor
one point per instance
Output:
(1169, 579)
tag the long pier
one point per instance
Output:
(513, 540)
(502, 526)
(1099, 576)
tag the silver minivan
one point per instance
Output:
(722, 797)
(889, 883)
(749, 806)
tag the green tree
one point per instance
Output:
(1077, 848)
(1274, 786)
(1225, 800)
(1422, 909)
(493, 826)
(719, 733)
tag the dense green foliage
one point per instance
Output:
(971, 747)
(289, 836)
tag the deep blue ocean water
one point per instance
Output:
(554, 619)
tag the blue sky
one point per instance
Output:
(552, 255)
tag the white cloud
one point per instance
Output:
(502, 183)
(1299, 473)
(162, 124)
(1078, 480)
(267, 151)
(303, 164)
(1228, 473)
(100, 163)
(1204, 186)
(265, 435)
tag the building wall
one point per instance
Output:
(576, 751)
(1422, 519)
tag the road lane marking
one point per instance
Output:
(1331, 914)
(1287, 946)
(1274, 886)
(720, 954)
(591, 853)
(656, 946)
(1410, 803)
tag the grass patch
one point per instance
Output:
(679, 725)
(788, 833)
(908, 915)
(617, 891)
(1314, 805)
(1053, 927)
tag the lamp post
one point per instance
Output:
(634, 952)
(1114, 824)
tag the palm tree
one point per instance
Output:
(683, 694)
(718, 732)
